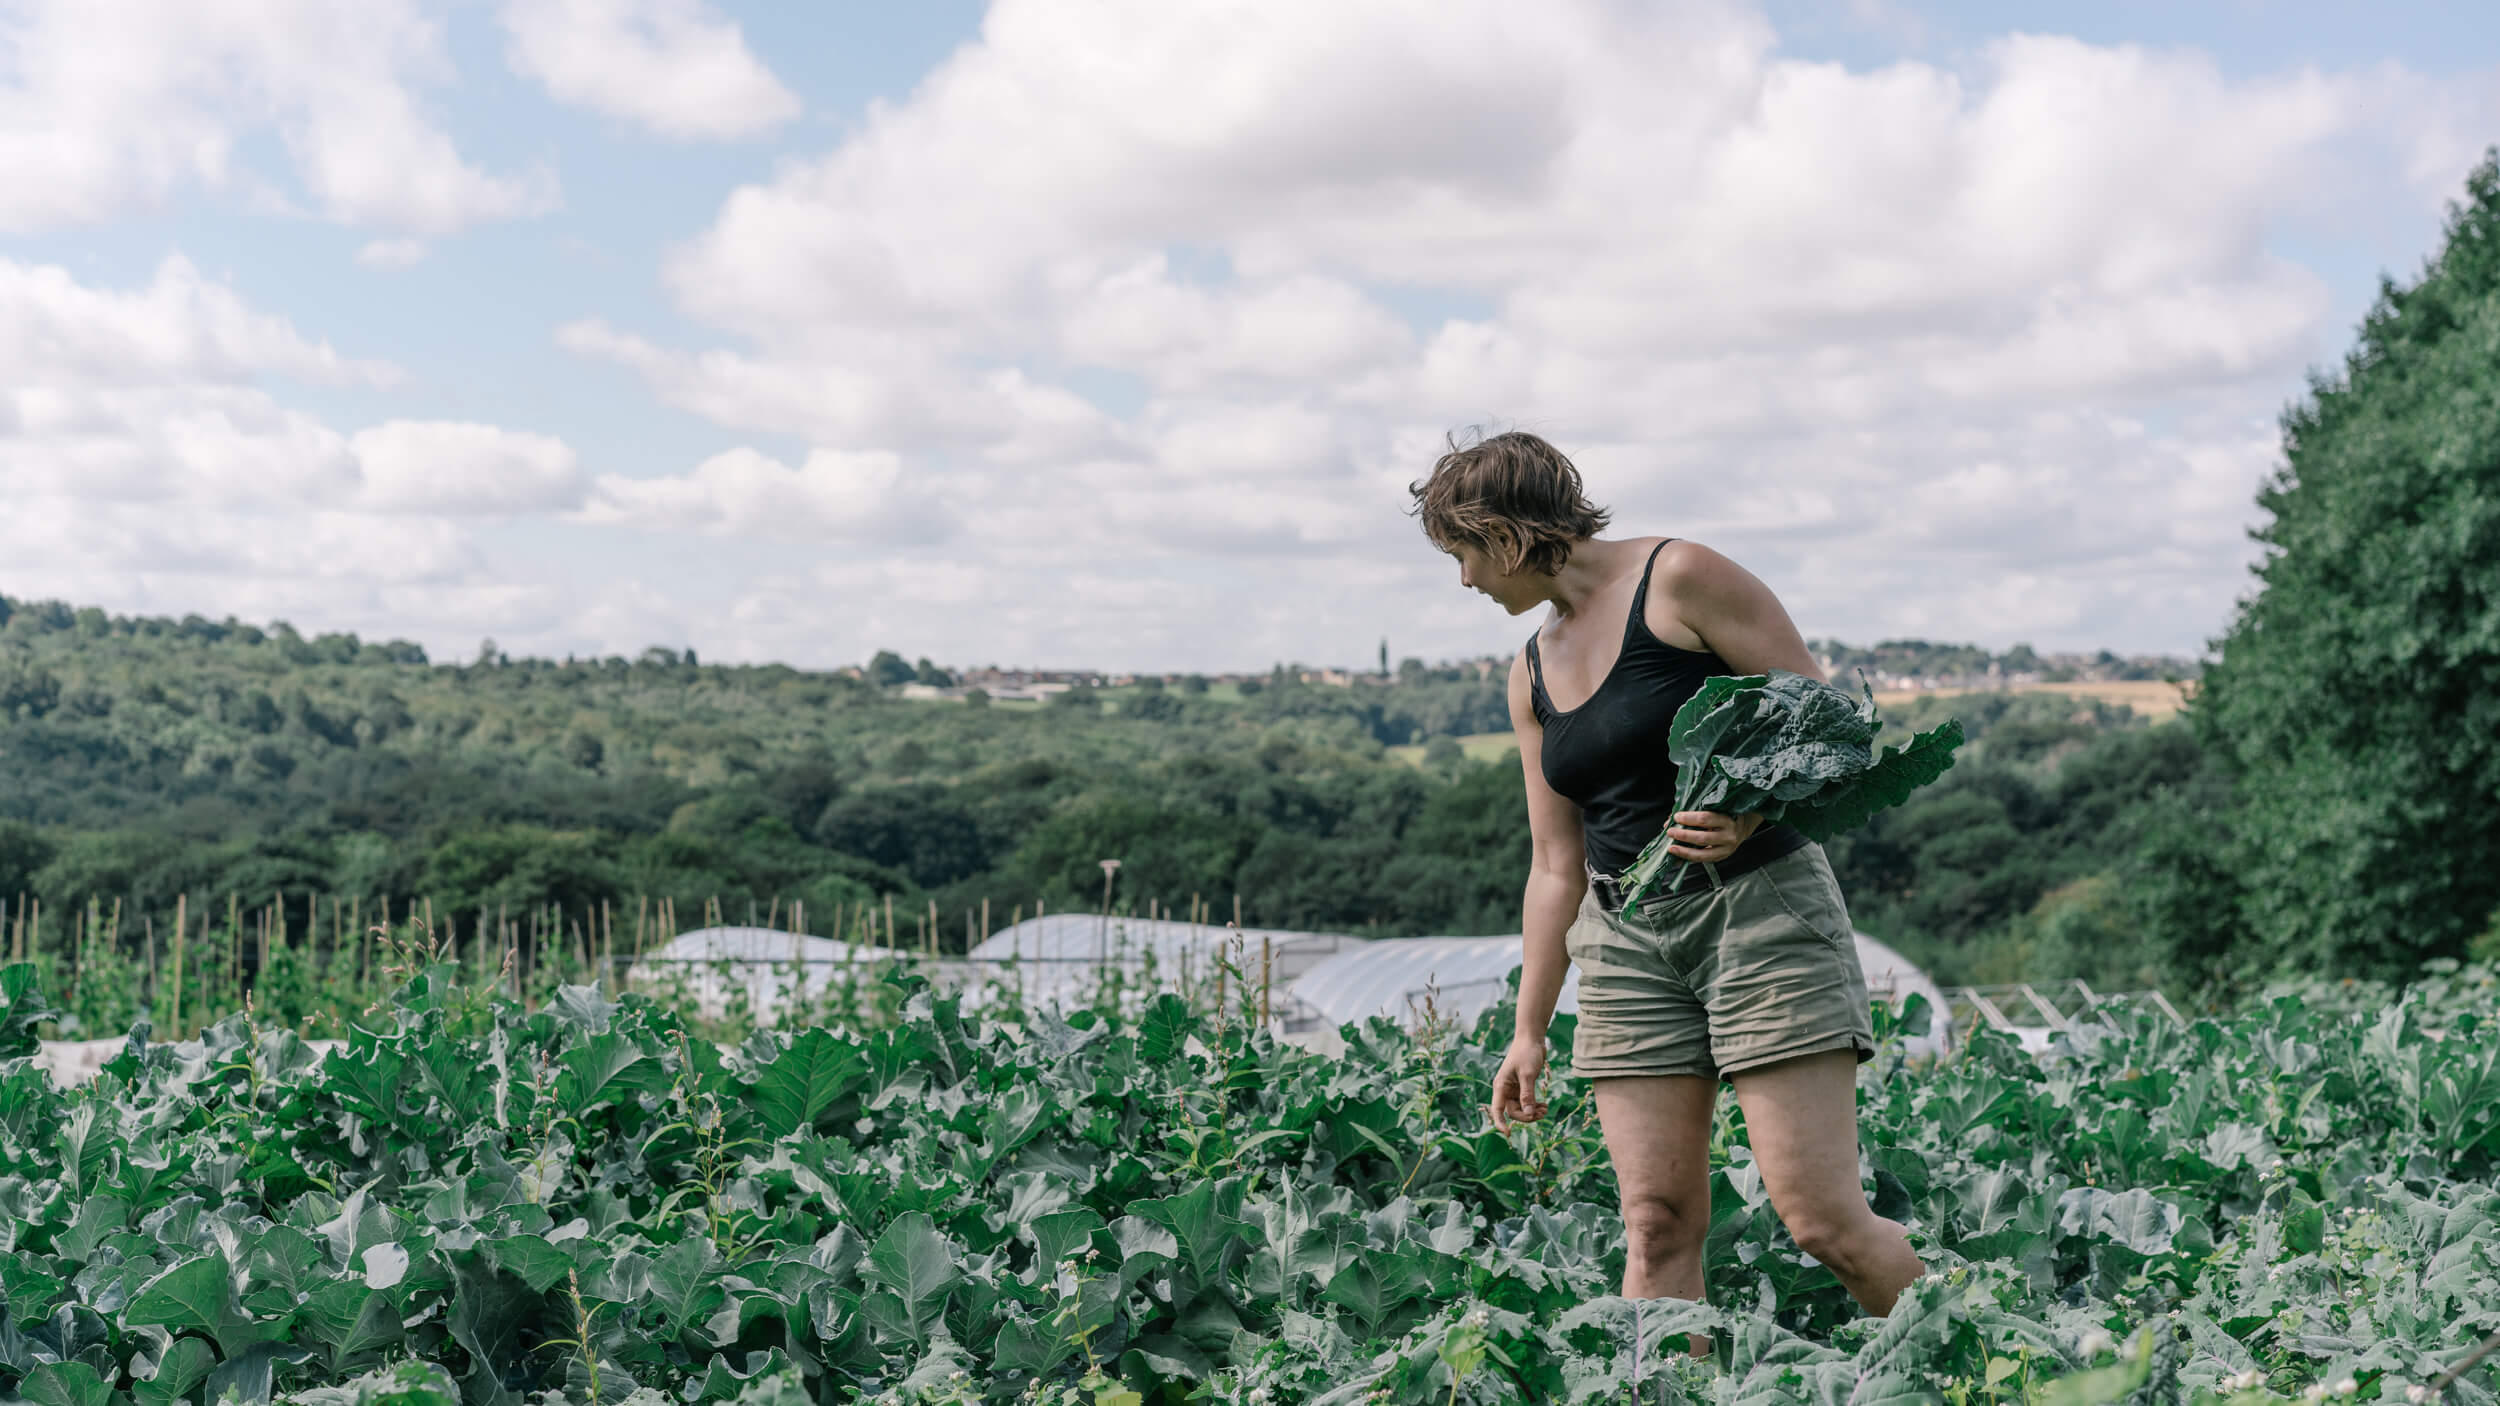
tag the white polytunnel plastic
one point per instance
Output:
(1058, 959)
(1463, 975)
(719, 967)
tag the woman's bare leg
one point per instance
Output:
(1658, 1135)
(1802, 1118)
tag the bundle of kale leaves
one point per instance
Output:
(1792, 748)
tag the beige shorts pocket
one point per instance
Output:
(1803, 883)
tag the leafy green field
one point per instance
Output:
(898, 1203)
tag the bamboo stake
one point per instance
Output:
(1267, 973)
(642, 917)
(150, 921)
(772, 919)
(889, 920)
(182, 925)
(985, 917)
(929, 942)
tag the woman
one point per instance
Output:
(1754, 981)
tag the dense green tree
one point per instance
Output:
(1163, 850)
(921, 829)
(518, 867)
(889, 669)
(2357, 694)
(24, 851)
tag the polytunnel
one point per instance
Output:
(720, 967)
(1062, 958)
(1465, 975)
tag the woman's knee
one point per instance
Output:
(1825, 1232)
(1661, 1227)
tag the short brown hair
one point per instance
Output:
(1513, 495)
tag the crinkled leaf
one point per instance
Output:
(1789, 748)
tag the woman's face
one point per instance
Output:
(1478, 571)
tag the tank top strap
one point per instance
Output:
(1536, 677)
(1640, 596)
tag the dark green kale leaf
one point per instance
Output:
(1791, 748)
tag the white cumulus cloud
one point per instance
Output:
(830, 496)
(459, 469)
(114, 106)
(676, 67)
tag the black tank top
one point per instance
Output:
(1609, 755)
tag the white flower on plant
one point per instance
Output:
(2094, 1343)
(2346, 1387)
(2316, 1392)
(2249, 1380)
(2417, 1393)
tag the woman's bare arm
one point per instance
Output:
(1557, 875)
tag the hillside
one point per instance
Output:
(154, 758)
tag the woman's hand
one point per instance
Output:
(1515, 1094)
(1707, 836)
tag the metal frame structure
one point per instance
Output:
(2080, 1003)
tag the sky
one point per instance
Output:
(1110, 335)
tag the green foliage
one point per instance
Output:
(1790, 748)
(2357, 695)
(585, 1203)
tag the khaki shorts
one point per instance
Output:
(1714, 982)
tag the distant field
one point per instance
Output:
(2151, 697)
(1479, 747)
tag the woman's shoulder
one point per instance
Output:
(1685, 576)
(1683, 564)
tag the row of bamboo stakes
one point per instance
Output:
(873, 921)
